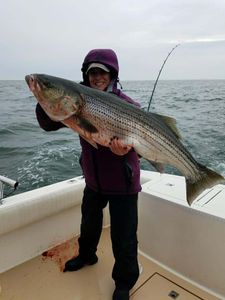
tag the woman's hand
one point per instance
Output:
(118, 147)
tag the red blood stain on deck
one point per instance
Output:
(61, 253)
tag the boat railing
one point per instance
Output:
(7, 181)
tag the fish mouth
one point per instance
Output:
(29, 79)
(32, 82)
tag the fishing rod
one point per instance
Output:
(159, 75)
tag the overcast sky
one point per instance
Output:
(53, 36)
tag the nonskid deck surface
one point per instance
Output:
(42, 278)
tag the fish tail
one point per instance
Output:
(207, 179)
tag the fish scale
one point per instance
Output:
(91, 111)
(146, 132)
(100, 115)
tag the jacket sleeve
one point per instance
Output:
(45, 122)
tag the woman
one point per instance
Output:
(112, 175)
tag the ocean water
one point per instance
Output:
(37, 158)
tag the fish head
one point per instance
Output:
(56, 96)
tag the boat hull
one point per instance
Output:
(187, 241)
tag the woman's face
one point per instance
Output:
(99, 79)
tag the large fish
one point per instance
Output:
(99, 116)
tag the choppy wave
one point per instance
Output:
(49, 164)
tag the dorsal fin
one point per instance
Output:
(171, 123)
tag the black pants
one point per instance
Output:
(123, 215)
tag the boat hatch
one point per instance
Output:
(168, 187)
(159, 287)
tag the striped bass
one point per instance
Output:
(99, 116)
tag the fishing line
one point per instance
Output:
(160, 71)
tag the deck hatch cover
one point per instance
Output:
(161, 288)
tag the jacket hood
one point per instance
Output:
(106, 57)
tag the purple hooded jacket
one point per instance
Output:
(103, 170)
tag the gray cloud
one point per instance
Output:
(53, 36)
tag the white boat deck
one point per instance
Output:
(42, 278)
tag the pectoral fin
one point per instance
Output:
(86, 125)
(82, 127)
